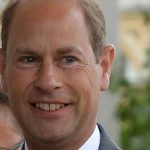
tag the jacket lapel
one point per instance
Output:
(105, 142)
(23, 146)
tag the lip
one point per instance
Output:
(61, 100)
(51, 114)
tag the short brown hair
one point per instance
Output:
(94, 20)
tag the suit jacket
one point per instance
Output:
(105, 142)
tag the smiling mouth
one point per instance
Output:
(49, 106)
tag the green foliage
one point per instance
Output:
(134, 113)
(146, 16)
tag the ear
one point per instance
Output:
(106, 62)
(2, 71)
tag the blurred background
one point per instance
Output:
(125, 109)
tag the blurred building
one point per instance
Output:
(135, 37)
(2, 4)
(128, 30)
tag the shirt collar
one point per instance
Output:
(92, 143)
(26, 147)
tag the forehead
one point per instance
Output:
(62, 13)
(48, 18)
(53, 9)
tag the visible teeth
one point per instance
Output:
(52, 106)
(49, 107)
(62, 105)
(46, 106)
(57, 106)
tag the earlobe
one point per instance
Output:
(107, 60)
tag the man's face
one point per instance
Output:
(51, 75)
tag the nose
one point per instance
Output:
(48, 79)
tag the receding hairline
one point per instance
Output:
(95, 24)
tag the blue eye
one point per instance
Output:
(69, 59)
(28, 59)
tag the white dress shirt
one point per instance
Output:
(93, 142)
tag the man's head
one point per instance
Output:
(53, 72)
(10, 132)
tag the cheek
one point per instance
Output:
(87, 73)
(86, 84)
(17, 82)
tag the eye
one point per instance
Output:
(27, 59)
(69, 59)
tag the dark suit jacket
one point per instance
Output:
(105, 143)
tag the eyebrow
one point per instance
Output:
(70, 49)
(23, 50)
(61, 51)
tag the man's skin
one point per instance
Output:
(50, 63)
